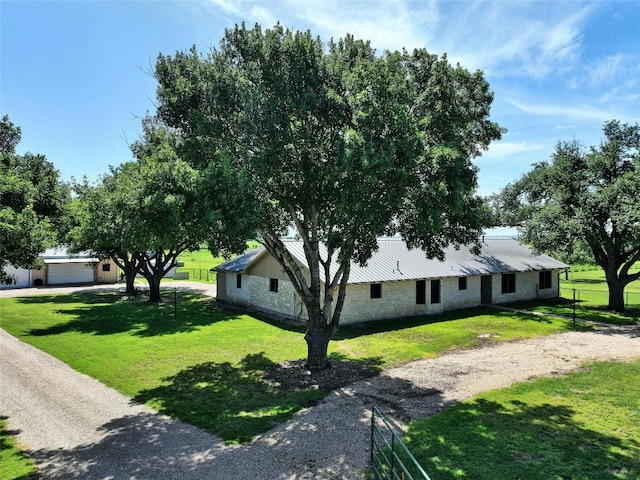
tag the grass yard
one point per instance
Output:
(591, 298)
(198, 263)
(207, 367)
(14, 464)
(585, 426)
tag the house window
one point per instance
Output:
(545, 279)
(435, 291)
(239, 280)
(508, 282)
(273, 284)
(421, 292)
(106, 267)
(376, 290)
(462, 283)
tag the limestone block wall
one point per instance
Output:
(453, 298)
(398, 300)
(284, 302)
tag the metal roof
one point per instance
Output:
(394, 261)
(61, 255)
(241, 262)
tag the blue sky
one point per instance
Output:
(74, 74)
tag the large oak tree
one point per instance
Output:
(584, 197)
(339, 143)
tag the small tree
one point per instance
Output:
(338, 143)
(584, 198)
(33, 202)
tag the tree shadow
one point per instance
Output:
(518, 441)
(111, 313)
(142, 445)
(346, 332)
(235, 402)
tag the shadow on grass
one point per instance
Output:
(381, 326)
(486, 440)
(584, 311)
(235, 402)
(110, 313)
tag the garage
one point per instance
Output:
(70, 272)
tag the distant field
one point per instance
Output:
(198, 263)
(591, 298)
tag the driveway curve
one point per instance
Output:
(74, 427)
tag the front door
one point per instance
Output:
(485, 289)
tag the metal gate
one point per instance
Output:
(390, 458)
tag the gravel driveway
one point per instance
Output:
(75, 427)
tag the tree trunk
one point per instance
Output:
(616, 294)
(130, 282)
(154, 288)
(317, 337)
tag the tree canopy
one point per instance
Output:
(336, 141)
(33, 201)
(584, 198)
(146, 212)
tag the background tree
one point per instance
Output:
(33, 202)
(338, 143)
(102, 225)
(146, 212)
(584, 198)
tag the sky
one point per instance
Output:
(76, 75)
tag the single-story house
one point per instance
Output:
(398, 281)
(62, 267)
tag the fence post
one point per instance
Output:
(573, 322)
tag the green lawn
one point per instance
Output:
(14, 464)
(585, 426)
(206, 367)
(198, 263)
(591, 298)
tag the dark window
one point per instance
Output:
(106, 267)
(376, 290)
(239, 280)
(421, 292)
(435, 291)
(545, 279)
(273, 284)
(508, 282)
(462, 283)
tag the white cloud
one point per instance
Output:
(577, 112)
(605, 70)
(499, 151)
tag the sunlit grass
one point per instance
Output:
(205, 367)
(583, 426)
(14, 464)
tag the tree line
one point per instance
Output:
(275, 130)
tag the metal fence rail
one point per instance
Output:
(390, 458)
(198, 273)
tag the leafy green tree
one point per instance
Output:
(146, 212)
(33, 202)
(337, 142)
(102, 225)
(584, 198)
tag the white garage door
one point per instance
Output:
(69, 273)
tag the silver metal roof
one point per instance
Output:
(394, 261)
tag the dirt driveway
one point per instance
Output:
(76, 428)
